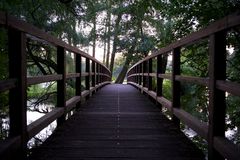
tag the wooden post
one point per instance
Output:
(149, 76)
(18, 95)
(144, 71)
(94, 74)
(87, 79)
(176, 84)
(143, 77)
(217, 102)
(159, 80)
(97, 73)
(61, 84)
(140, 74)
(78, 79)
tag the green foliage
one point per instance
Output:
(195, 60)
(167, 89)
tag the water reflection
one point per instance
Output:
(34, 113)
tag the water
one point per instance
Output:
(46, 132)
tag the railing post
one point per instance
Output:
(149, 76)
(101, 76)
(143, 77)
(175, 84)
(78, 79)
(144, 71)
(159, 80)
(87, 79)
(97, 73)
(94, 74)
(140, 74)
(61, 84)
(217, 102)
(18, 95)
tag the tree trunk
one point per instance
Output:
(108, 33)
(124, 70)
(115, 42)
(94, 36)
(104, 43)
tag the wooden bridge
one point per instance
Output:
(117, 121)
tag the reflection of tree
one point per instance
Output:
(42, 136)
(47, 95)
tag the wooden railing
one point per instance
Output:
(140, 75)
(18, 33)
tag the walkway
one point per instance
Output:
(118, 123)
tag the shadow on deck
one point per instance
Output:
(117, 123)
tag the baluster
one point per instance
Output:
(94, 74)
(61, 84)
(159, 80)
(78, 79)
(97, 73)
(175, 84)
(87, 79)
(149, 76)
(18, 95)
(140, 75)
(217, 102)
(144, 71)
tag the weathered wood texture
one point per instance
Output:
(118, 123)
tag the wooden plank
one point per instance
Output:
(194, 80)
(85, 93)
(61, 84)
(72, 75)
(71, 103)
(7, 84)
(18, 95)
(99, 131)
(217, 102)
(84, 74)
(152, 75)
(198, 126)
(152, 94)
(165, 76)
(41, 123)
(226, 148)
(165, 102)
(43, 79)
(231, 87)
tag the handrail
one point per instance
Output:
(20, 132)
(140, 75)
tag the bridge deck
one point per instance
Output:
(117, 123)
